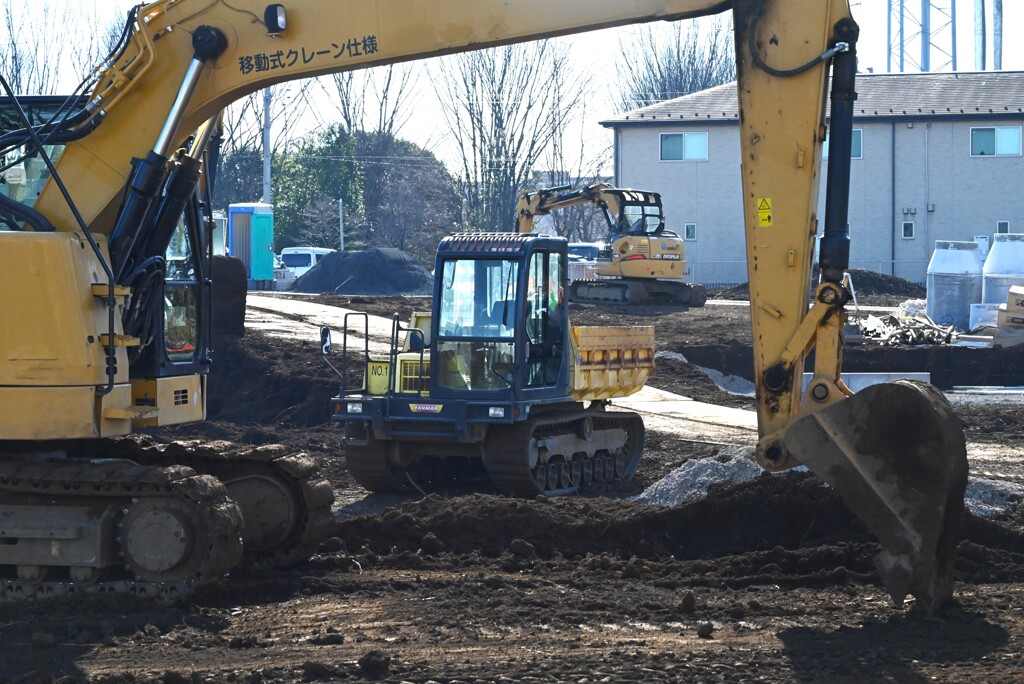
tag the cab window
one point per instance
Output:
(546, 318)
(477, 323)
(181, 298)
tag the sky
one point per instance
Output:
(597, 51)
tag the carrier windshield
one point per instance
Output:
(476, 324)
(478, 298)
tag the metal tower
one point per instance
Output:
(922, 35)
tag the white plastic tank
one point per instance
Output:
(1004, 267)
(954, 282)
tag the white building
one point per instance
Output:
(937, 156)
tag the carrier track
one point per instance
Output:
(554, 453)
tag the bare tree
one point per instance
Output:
(320, 226)
(243, 121)
(570, 161)
(374, 105)
(30, 58)
(373, 100)
(92, 47)
(240, 169)
(498, 105)
(657, 66)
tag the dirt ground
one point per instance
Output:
(771, 580)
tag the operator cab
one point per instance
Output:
(170, 289)
(641, 213)
(501, 316)
(22, 171)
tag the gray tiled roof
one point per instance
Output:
(979, 94)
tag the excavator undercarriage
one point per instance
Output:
(637, 291)
(158, 520)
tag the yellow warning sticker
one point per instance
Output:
(764, 211)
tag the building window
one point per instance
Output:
(995, 141)
(1002, 226)
(689, 231)
(856, 145)
(908, 230)
(684, 146)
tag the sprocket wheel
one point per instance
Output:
(162, 540)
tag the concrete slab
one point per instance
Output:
(294, 317)
(689, 419)
(858, 381)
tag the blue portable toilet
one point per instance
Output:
(251, 240)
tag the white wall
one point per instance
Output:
(933, 167)
(703, 192)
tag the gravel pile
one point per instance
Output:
(377, 271)
(986, 498)
(691, 480)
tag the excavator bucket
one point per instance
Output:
(896, 455)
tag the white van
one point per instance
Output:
(300, 259)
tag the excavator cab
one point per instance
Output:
(22, 173)
(640, 213)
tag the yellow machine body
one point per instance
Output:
(642, 257)
(56, 340)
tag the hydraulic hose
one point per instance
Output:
(755, 20)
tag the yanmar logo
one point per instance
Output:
(426, 408)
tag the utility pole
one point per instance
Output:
(267, 199)
(997, 34)
(341, 222)
(979, 35)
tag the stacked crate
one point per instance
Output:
(1011, 314)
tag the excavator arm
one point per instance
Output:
(546, 200)
(188, 59)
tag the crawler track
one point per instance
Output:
(554, 453)
(635, 291)
(119, 492)
(285, 502)
(560, 452)
(368, 465)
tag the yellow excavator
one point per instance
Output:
(101, 335)
(643, 262)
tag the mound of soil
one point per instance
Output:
(787, 529)
(377, 271)
(871, 288)
(259, 381)
(870, 283)
(730, 520)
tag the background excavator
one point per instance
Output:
(642, 262)
(93, 320)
